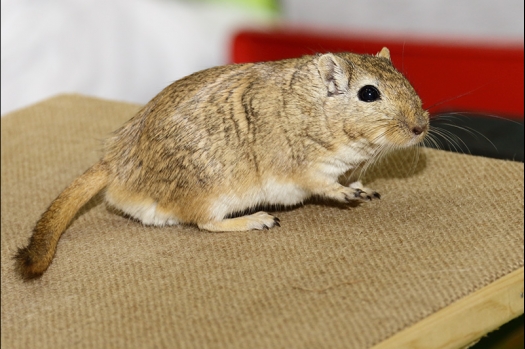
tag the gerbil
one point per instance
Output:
(231, 138)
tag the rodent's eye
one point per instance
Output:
(369, 93)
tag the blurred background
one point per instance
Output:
(128, 50)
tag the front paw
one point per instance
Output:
(352, 193)
(361, 193)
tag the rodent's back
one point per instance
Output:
(211, 121)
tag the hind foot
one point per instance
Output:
(259, 220)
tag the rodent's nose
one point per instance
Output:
(417, 130)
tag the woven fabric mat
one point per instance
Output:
(331, 277)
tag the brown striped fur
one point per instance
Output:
(232, 138)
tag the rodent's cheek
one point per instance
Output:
(385, 136)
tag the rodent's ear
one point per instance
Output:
(385, 53)
(334, 72)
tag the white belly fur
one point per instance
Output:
(146, 211)
(271, 192)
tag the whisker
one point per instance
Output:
(435, 142)
(440, 117)
(415, 160)
(477, 114)
(439, 133)
(475, 133)
(452, 139)
(456, 97)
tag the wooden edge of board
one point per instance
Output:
(466, 320)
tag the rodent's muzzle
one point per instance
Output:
(419, 129)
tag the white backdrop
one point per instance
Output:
(117, 49)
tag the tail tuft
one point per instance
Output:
(25, 265)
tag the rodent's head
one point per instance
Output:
(368, 98)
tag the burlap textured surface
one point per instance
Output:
(330, 277)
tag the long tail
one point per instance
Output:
(33, 260)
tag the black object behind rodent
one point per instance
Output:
(494, 137)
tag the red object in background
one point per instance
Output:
(448, 76)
